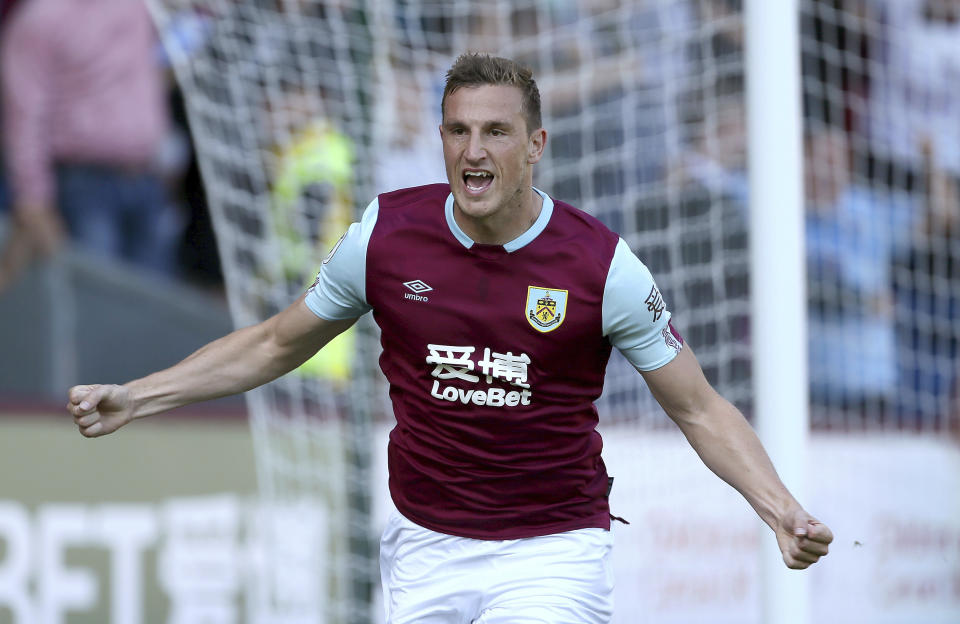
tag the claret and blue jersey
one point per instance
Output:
(495, 355)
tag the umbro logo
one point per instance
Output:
(416, 287)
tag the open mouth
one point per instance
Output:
(477, 181)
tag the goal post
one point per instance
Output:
(778, 275)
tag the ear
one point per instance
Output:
(535, 145)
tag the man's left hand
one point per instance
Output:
(802, 538)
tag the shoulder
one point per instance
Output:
(573, 223)
(582, 218)
(414, 195)
(416, 208)
(409, 214)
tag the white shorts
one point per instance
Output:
(434, 578)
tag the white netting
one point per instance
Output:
(303, 110)
(883, 147)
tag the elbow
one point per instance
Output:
(688, 418)
(698, 411)
(280, 351)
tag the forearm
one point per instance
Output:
(240, 361)
(728, 445)
(236, 363)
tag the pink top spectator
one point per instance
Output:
(80, 84)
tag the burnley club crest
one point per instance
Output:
(546, 307)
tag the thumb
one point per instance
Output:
(797, 522)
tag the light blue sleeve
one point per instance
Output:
(340, 291)
(635, 316)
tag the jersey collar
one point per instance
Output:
(532, 232)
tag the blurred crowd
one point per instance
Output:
(95, 144)
(882, 101)
(97, 151)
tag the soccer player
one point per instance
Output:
(498, 306)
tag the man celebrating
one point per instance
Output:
(498, 307)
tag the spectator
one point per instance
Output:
(915, 95)
(10, 258)
(852, 235)
(85, 116)
(198, 259)
(625, 63)
(716, 154)
(408, 153)
(927, 286)
(839, 39)
(311, 206)
(706, 202)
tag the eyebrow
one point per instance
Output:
(490, 124)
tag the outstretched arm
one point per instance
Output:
(240, 361)
(728, 446)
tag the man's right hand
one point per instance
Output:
(43, 227)
(100, 409)
(35, 232)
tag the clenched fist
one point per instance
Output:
(803, 539)
(100, 409)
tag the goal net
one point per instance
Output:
(303, 110)
(882, 130)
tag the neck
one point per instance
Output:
(507, 223)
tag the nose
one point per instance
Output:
(475, 150)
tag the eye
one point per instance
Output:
(497, 132)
